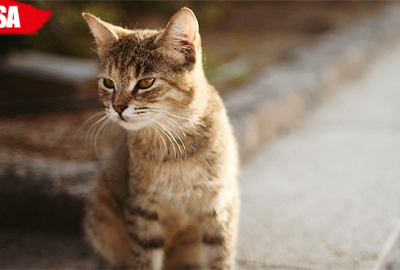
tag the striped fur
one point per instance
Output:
(168, 196)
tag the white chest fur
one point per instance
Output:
(181, 180)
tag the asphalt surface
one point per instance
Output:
(327, 196)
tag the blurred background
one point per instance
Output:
(48, 89)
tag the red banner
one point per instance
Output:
(23, 19)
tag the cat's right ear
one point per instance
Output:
(105, 34)
(182, 34)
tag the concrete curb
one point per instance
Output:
(283, 94)
(268, 106)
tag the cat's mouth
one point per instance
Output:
(130, 121)
(135, 118)
(122, 118)
(127, 119)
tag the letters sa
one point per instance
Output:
(12, 19)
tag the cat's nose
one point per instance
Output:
(119, 109)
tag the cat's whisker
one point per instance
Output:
(92, 129)
(155, 128)
(176, 124)
(180, 117)
(112, 127)
(97, 134)
(173, 115)
(104, 130)
(169, 130)
(179, 138)
(85, 123)
(169, 138)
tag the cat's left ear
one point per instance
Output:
(182, 34)
(105, 34)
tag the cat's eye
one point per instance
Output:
(145, 83)
(108, 83)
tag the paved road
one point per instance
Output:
(327, 196)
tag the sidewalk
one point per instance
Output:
(327, 196)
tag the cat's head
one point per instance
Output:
(149, 77)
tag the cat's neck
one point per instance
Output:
(167, 142)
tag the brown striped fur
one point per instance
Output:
(168, 196)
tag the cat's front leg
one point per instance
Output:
(105, 229)
(219, 233)
(146, 235)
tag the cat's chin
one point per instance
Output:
(132, 126)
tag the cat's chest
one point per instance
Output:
(180, 180)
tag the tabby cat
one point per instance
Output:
(168, 196)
